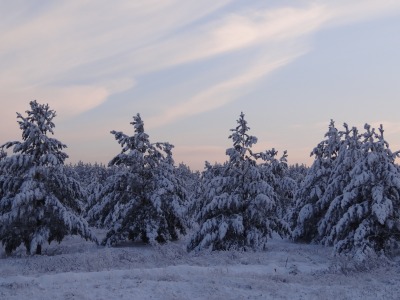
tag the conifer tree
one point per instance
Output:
(145, 200)
(276, 172)
(298, 173)
(239, 207)
(368, 209)
(3, 154)
(303, 217)
(348, 155)
(191, 179)
(96, 177)
(210, 172)
(39, 203)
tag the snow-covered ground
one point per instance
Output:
(76, 269)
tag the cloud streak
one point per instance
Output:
(75, 54)
(218, 95)
(284, 29)
(58, 51)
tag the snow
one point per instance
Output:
(76, 269)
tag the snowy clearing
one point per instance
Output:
(76, 269)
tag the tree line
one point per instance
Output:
(348, 198)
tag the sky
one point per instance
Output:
(191, 67)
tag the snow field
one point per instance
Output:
(76, 269)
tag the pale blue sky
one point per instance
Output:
(190, 67)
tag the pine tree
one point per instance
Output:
(277, 173)
(83, 171)
(348, 155)
(210, 172)
(39, 203)
(239, 207)
(303, 218)
(145, 200)
(298, 173)
(191, 179)
(3, 154)
(97, 177)
(368, 209)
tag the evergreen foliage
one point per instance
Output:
(192, 180)
(276, 172)
(238, 209)
(297, 173)
(304, 217)
(145, 200)
(348, 155)
(350, 197)
(38, 203)
(3, 154)
(369, 205)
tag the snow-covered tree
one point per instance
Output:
(368, 209)
(69, 171)
(83, 171)
(210, 172)
(96, 177)
(38, 203)
(239, 207)
(348, 155)
(194, 184)
(276, 172)
(3, 154)
(303, 217)
(146, 201)
(297, 173)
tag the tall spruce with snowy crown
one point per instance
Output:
(304, 217)
(38, 203)
(145, 200)
(239, 207)
(369, 207)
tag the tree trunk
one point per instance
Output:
(39, 249)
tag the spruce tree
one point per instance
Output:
(238, 207)
(39, 203)
(145, 200)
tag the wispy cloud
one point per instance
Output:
(287, 30)
(218, 95)
(54, 54)
(75, 54)
(231, 33)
